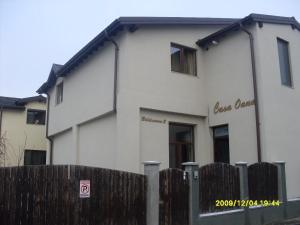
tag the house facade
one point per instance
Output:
(23, 131)
(180, 89)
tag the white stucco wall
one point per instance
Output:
(280, 104)
(154, 137)
(87, 91)
(146, 81)
(62, 148)
(97, 142)
(229, 78)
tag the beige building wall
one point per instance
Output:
(20, 136)
(229, 79)
(154, 136)
(147, 87)
(280, 104)
(87, 92)
(97, 142)
(146, 81)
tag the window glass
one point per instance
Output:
(181, 144)
(284, 63)
(34, 157)
(36, 116)
(59, 93)
(221, 144)
(183, 59)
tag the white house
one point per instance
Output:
(180, 89)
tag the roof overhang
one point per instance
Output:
(131, 23)
(248, 20)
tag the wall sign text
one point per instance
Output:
(148, 119)
(238, 104)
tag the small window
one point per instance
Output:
(284, 62)
(59, 92)
(34, 157)
(183, 59)
(35, 116)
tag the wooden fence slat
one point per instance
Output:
(263, 181)
(174, 191)
(218, 181)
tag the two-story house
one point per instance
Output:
(180, 89)
(22, 131)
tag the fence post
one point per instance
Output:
(151, 170)
(282, 195)
(244, 191)
(192, 169)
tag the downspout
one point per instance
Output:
(256, 103)
(115, 69)
(47, 136)
(1, 112)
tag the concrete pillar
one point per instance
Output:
(282, 195)
(244, 190)
(151, 170)
(243, 170)
(192, 170)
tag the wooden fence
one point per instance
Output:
(263, 181)
(35, 195)
(173, 191)
(218, 181)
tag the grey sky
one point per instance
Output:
(36, 33)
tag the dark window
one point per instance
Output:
(34, 157)
(221, 144)
(59, 92)
(35, 116)
(183, 59)
(181, 144)
(284, 62)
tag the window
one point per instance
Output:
(221, 144)
(284, 62)
(59, 92)
(35, 116)
(34, 157)
(183, 59)
(181, 144)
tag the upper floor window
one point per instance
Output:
(59, 92)
(284, 62)
(183, 59)
(35, 116)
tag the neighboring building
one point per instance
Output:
(22, 131)
(180, 89)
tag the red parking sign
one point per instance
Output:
(84, 189)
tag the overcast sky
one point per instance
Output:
(36, 33)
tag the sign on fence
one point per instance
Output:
(84, 189)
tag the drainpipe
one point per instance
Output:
(115, 69)
(1, 112)
(256, 103)
(47, 136)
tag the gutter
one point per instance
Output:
(256, 103)
(47, 133)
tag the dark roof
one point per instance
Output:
(131, 23)
(252, 18)
(18, 103)
(51, 79)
